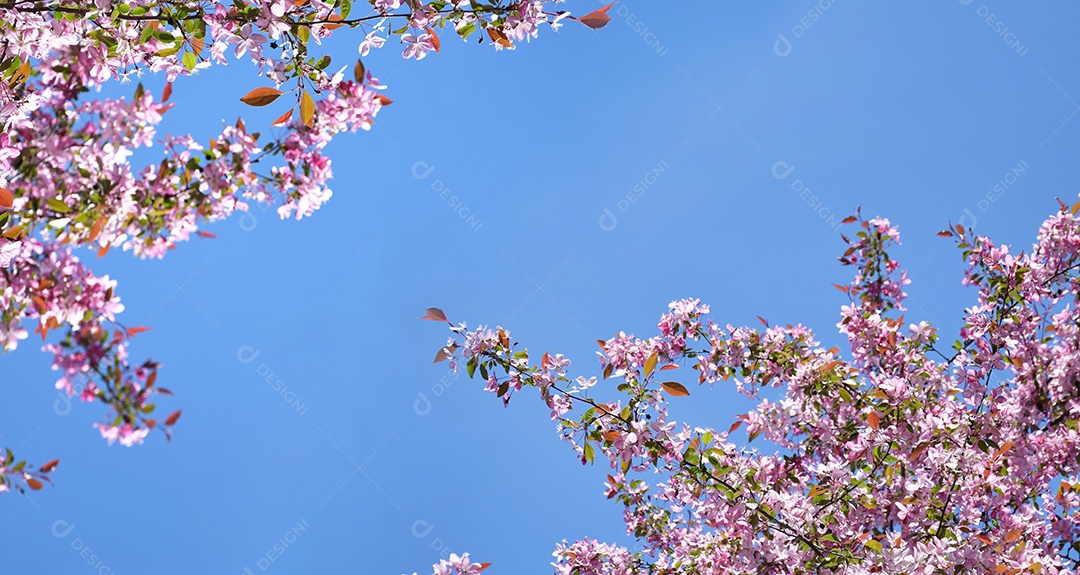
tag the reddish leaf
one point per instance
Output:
(359, 73)
(483, 566)
(735, 426)
(434, 40)
(610, 435)
(131, 331)
(544, 360)
(603, 344)
(597, 19)
(669, 366)
(945, 234)
(172, 418)
(445, 353)
(150, 423)
(34, 483)
(48, 467)
(206, 234)
(434, 314)
(307, 109)
(499, 38)
(261, 96)
(103, 250)
(960, 228)
(94, 231)
(873, 420)
(675, 388)
(829, 366)
(167, 92)
(848, 220)
(333, 18)
(283, 119)
(6, 199)
(197, 45)
(763, 321)
(383, 100)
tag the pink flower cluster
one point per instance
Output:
(900, 458)
(66, 177)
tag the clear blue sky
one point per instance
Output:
(913, 114)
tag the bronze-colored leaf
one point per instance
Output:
(48, 467)
(261, 96)
(283, 119)
(434, 314)
(675, 388)
(650, 364)
(359, 73)
(499, 37)
(333, 18)
(172, 418)
(6, 199)
(445, 353)
(598, 18)
(94, 231)
(34, 483)
(15, 233)
(434, 39)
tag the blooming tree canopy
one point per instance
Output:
(896, 456)
(66, 180)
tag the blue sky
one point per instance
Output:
(721, 136)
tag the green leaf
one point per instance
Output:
(466, 30)
(57, 206)
(190, 61)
